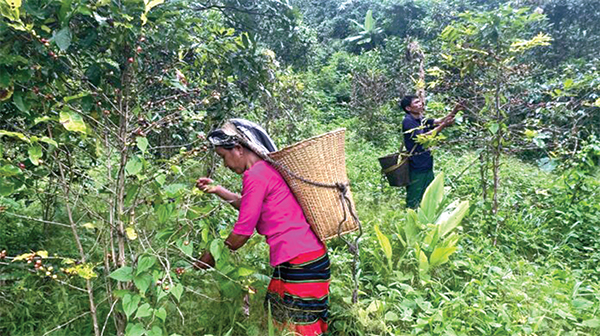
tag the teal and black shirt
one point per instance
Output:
(421, 159)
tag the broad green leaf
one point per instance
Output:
(411, 229)
(423, 263)
(144, 263)
(391, 316)
(453, 219)
(134, 166)
(161, 313)
(10, 170)
(148, 6)
(177, 291)
(494, 127)
(63, 38)
(440, 255)
(188, 248)
(130, 304)
(35, 154)
(142, 282)
(142, 143)
(155, 331)
(135, 329)
(163, 212)
(48, 141)
(384, 242)
(144, 311)
(72, 121)
(6, 187)
(215, 248)
(432, 198)
(244, 272)
(592, 323)
(432, 238)
(123, 274)
(17, 135)
(369, 23)
(19, 103)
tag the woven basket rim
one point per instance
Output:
(308, 141)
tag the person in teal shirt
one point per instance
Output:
(420, 160)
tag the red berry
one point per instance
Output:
(21, 165)
(138, 49)
(106, 112)
(130, 60)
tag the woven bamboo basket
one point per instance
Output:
(320, 159)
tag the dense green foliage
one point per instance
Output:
(104, 108)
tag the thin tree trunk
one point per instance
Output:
(88, 283)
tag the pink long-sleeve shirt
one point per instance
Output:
(269, 206)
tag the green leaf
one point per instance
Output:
(144, 263)
(72, 121)
(592, 323)
(130, 304)
(369, 23)
(6, 187)
(448, 221)
(48, 141)
(155, 331)
(244, 272)
(35, 154)
(440, 255)
(494, 127)
(187, 249)
(18, 101)
(423, 263)
(134, 166)
(142, 282)
(122, 274)
(161, 313)
(411, 228)
(10, 170)
(385, 243)
(177, 291)
(63, 38)
(215, 248)
(391, 316)
(135, 330)
(148, 6)
(142, 143)
(432, 199)
(144, 311)
(17, 135)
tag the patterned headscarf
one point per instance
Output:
(241, 131)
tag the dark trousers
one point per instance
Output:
(419, 181)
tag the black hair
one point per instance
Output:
(406, 101)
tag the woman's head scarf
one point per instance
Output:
(241, 131)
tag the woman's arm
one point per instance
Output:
(234, 242)
(205, 184)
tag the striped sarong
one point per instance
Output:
(299, 294)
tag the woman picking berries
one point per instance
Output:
(298, 293)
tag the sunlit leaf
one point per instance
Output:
(72, 121)
(440, 255)
(384, 242)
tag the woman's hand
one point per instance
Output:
(205, 184)
(205, 261)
